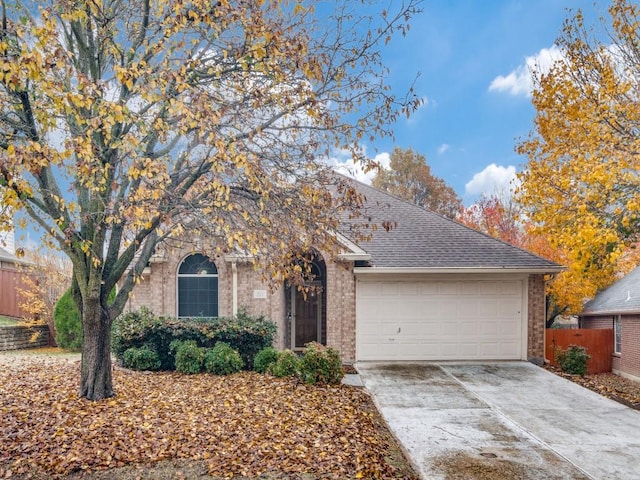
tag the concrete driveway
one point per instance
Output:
(503, 420)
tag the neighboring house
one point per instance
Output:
(429, 289)
(618, 307)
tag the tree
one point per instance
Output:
(48, 275)
(496, 215)
(581, 184)
(125, 124)
(410, 178)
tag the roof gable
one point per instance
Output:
(421, 239)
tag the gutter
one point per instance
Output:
(473, 270)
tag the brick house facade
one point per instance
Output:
(618, 308)
(425, 252)
(158, 291)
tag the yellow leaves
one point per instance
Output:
(581, 182)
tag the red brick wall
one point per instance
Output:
(157, 291)
(536, 317)
(341, 309)
(629, 360)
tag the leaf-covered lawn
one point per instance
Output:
(246, 424)
(8, 322)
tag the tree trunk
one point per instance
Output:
(95, 375)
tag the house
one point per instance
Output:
(428, 289)
(618, 307)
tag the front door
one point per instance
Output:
(307, 317)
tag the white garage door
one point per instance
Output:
(440, 320)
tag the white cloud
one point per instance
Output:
(443, 148)
(493, 179)
(342, 162)
(519, 81)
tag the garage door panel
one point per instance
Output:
(448, 288)
(439, 320)
(510, 288)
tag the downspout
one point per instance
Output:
(234, 288)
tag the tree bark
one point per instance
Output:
(95, 375)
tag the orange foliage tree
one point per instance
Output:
(581, 186)
(124, 124)
(496, 215)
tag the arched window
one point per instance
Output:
(197, 287)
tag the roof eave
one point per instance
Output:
(424, 270)
(635, 311)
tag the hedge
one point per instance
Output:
(245, 333)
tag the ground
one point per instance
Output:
(609, 385)
(169, 426)
(172, 426)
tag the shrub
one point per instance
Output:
(141, 358)
(188, 357)
(248, 335)
(264, 359)
(286, 365)
(245, 333)
(320, 364)
(136, 329)
(222, 360)
(573, 360)
(67, 322)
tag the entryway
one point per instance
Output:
(307, 308)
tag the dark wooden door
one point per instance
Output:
(307, 314)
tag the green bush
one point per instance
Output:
(222, 360)
(68, 323)
(573, 360)
(320, 364)
(189, 357)
(286, 365)
(246, 334)
(137, 329)
(141, 358)
(264, 359)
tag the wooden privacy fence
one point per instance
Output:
(10, 281)
(597, 342)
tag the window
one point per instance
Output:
(197, 287)
(617, 334)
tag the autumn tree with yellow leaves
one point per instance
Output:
(581, 186)
(124, 124)
(409, 177)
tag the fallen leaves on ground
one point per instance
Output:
(608, 385)
(240, 425)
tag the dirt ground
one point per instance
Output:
(609, 385)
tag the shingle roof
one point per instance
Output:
(8, 257)
(621, 297)
(423, 239)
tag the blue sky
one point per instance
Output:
(472, 56)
